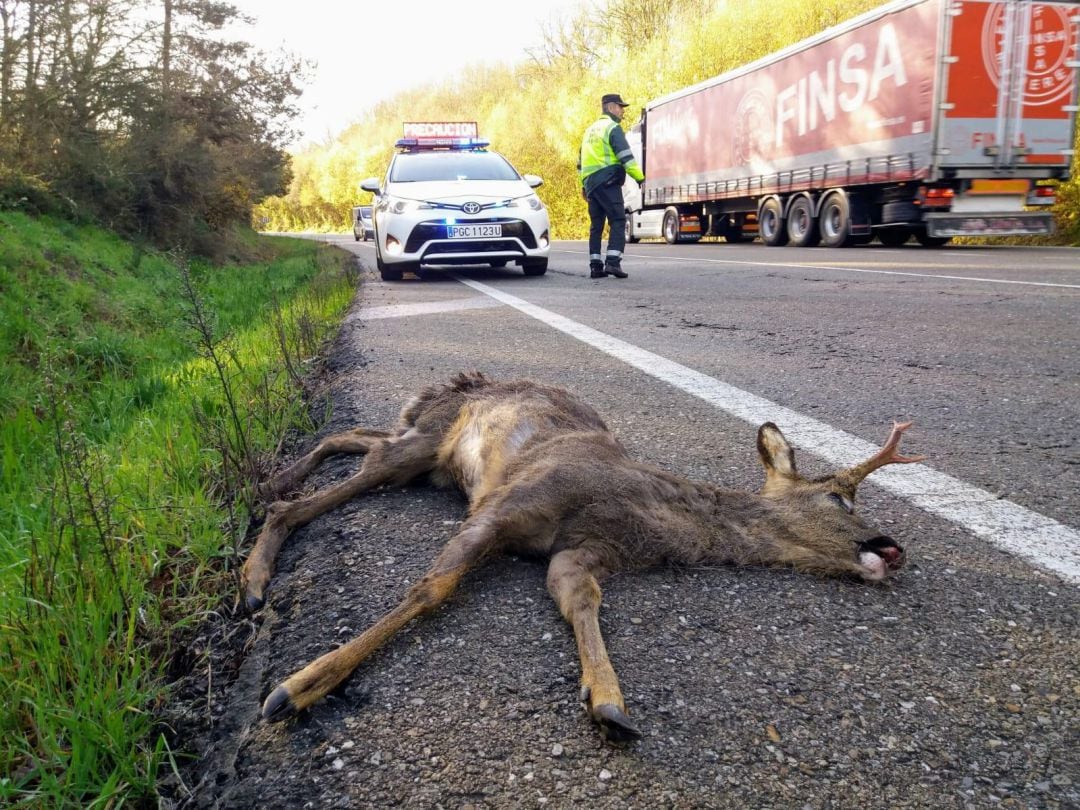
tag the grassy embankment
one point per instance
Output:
(140, 396)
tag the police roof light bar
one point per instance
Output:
(440, 135)
(431, 144)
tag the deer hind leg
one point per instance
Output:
(573, 584)
(359, 440)
(395, 460)
(475, 540)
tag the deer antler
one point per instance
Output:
(853, 476)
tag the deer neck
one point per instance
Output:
(741, 528)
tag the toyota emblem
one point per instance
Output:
(471, 208)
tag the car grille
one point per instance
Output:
(511, 229)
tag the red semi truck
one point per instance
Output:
(924, 118)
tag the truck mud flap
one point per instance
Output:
(1020, 224)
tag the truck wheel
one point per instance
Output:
(670, 227)
(893, 237)
(535, 267)
(926, 240)
(771, 224)
(630, 230)
(802, 228)
(835, 222)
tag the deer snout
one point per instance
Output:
(880, 556)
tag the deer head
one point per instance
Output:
(824, 533)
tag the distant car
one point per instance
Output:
(363, 227)
(457, 205)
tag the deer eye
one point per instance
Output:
(842, 502)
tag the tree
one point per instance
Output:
(155, 123)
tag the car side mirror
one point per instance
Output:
(533, 180)
(371, 184)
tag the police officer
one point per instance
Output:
(605, 161)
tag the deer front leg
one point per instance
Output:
(359, 440)
(317, 679)
(396, 460)
(576, 591)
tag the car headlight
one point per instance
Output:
(530, 201)
(401, 205)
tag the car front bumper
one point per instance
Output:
(425, 240)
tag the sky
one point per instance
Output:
(369, 50)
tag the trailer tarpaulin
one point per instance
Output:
(864, 93)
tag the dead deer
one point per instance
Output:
(544, 476)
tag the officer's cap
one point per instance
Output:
(613, 98)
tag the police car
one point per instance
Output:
(447, 200)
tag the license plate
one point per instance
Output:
(472, 231)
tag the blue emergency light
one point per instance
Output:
(416, 144)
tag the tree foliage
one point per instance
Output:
(535, 112)
(144, 116)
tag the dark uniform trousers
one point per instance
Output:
(606, 203)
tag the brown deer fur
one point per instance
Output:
(544, 476)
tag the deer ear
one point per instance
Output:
(776, 454)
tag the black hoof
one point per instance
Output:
(614, 724)
(278, 706)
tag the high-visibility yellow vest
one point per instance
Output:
(596, 151)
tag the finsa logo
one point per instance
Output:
(864, 72)
(1052, 45)
(471, 208)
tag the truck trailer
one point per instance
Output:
(924, 118)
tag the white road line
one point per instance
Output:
(1007, 525)
(422, 308)
(774, 265)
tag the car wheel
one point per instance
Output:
(535, 267)
(389, 272)
(771, 224)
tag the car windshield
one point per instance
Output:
(451, 166)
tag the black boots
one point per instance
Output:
(598, 270)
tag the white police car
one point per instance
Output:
(447, 200)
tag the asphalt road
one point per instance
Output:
(957, 685)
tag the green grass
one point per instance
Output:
(127, 448)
